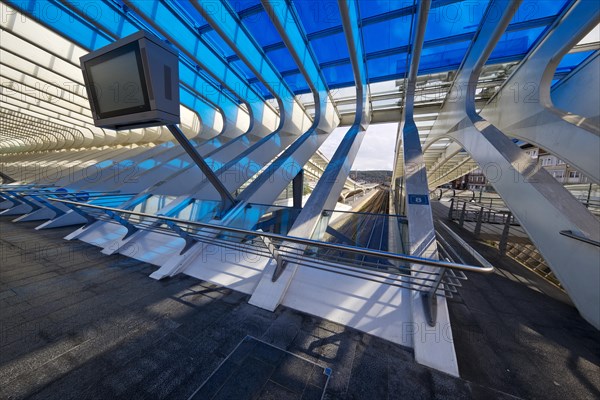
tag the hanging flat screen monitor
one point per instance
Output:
(133, 83)
(116, 82)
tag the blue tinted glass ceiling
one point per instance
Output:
(339, 75)
(369, 8)
(388, 67)
(240, 5)
(534, 9)
(330, 48)
(515, 43)
(261, 28)
(572, 60)
(387, 34)
(191, 11)
(282, 59)
(262, 89)
(240, 65)
(443, 57)
(296, 82)
(259, 25)
(219, 44)
(77, 30)
(455, 19)
(317, 15)
(385, 27)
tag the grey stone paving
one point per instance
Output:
(518, 333)
(75, 324)
(256, 369)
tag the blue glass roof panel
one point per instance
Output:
(329, 48)
(262, 89)
(191, 11)
(317, 15)
(535, 9)
(241, 66)
(105, 15)
(389, 66)
(282, 59)
(387, 34)
(218, 43)
(447, 57)
(369, 8)
(77, 30)
(241, 5)
(447, 19)
(572, 60)
(260, 26)
(454, 19)
(339, 75)
(516, 43)
(296, 82)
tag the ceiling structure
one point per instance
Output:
(31, 68)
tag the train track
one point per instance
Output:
(367, 227)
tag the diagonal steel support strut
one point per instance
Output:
(227, 200)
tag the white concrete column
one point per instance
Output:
(541, 204)
(523, 108)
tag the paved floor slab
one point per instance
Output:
(76, 324)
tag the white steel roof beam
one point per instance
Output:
(523, 107)
(541, 204)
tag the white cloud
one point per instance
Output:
(376, 151)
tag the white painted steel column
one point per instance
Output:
(429, 312)
(541, 204)
(577, 92)
(523, 107)
(269, 294)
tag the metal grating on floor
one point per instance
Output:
(258, 370)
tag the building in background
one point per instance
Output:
(558, 169)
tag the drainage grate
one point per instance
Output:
(258, 370)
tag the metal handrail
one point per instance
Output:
(308, 261)
(587, 202)
(90, 195)
(298, 240)
(482, 205)
(527, 254)
(581, 238)
(26, 185)
(259, 249)
(398, 216)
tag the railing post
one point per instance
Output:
(477, 230)
(461, 222)
(450, 211)
(504, 237)
(430, 299)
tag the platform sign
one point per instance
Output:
(133, 83)
(421, 199)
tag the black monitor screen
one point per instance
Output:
(117, 82)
